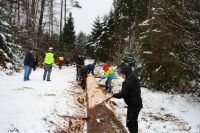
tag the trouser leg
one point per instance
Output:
(76, 74)
(29, 71)
(132, 117)
(25, 73)
(83, 80)
(49, 72)
(79, 74)
(108, 85)
(45, 72)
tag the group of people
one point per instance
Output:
(130, 92)
(83, 70)
(31, 62)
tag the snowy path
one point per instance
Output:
(32, 106)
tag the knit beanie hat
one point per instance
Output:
(126, 70)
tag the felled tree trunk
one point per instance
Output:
(102, 118)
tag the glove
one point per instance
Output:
(103, 77)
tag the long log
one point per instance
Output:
(102, 117)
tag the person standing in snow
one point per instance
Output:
(35, 63)
(131, 94)
(79, 65)
(48, 62)
(109, 74)
(60, 60)
(28, 64)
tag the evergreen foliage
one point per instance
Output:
(80, 43)
(94, 39)
(169, 53)
(128, 58)
(159, 38)
(10, 53)
(69, 34)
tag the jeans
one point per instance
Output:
(27, 72)
(108, 84)
(47, 71)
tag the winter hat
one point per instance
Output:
(126, 70)
(105, 67)
(50, 49)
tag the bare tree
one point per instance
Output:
(61, 13)
(51, 18)
(41, 17)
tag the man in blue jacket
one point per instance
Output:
(28, 64)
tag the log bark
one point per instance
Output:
(102, 117)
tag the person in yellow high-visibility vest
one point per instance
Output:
(48, 62)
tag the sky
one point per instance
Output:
(84, 17)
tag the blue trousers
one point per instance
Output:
(27, 72)
(108, 84)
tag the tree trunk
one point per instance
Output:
(33, 15)
(11, 8)
(51, 18)
(41, 17)
(65, 11)
(18, 12)
(61, 23)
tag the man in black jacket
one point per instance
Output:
(79, 65)
(131, 94)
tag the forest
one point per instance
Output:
(159, 39)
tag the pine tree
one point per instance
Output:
(80, 43)
(168, 54)
(69, 34)
(10, 53)
(94, 39)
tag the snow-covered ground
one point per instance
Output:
(162, 112)
(33, 106)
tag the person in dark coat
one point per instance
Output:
(131, 94)
(85, 70)
(90, 68)
(35, 63)
(28, 64)
(79, 65)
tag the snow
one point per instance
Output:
(146, 22)
(183, 112)
(147, 52)
(4, 23)
(3, 36)
(32, 106)
(88, 61)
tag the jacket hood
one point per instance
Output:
(126, 70)
(105, 67)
